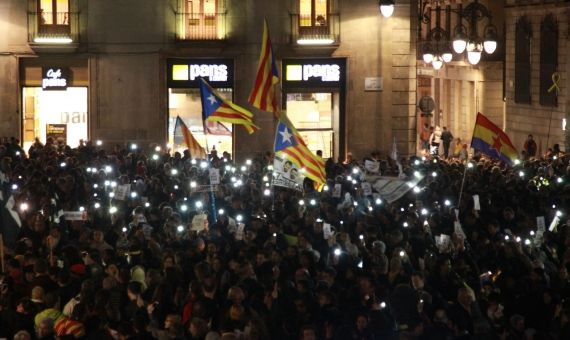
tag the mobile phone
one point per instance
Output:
(59, 263)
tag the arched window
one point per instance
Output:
(548, 60)
(523, 37)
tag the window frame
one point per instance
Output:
(314, 16)
(523, 72)
(54, 12)
(549, 36)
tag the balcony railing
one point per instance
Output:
(200, 26)
(306, 30)
(49, 27)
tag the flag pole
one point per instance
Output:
(467, 164)
(2, 250)
(211, 191)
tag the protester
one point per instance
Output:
(530, 147)
(446, 137)
(435, 141)
(126, 244)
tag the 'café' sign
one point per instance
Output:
(54, 78)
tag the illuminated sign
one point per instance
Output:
(186, 73)
(314, 72)
(54, 78)
(305, 72)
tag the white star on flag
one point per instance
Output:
(212, 99)
(286, 136)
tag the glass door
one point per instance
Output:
(60, 115)
(187, 104)
(315, 115)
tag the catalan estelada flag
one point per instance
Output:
(216, 109)
(288, 142)
(182, 135)
(489, 139)
(263, 94)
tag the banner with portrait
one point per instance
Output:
(286, 174)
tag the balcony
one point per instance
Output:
(53, 31)
(306, 30)
(200, 26)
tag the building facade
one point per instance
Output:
(537, 83)
(122, 71)
(460, 89)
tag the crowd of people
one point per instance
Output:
(140, 244)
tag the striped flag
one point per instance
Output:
(288, 143)
(182, 135)
(216, 109)
(489, 139)
(263, 94)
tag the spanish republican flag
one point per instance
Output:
(216, 109)
(183, 135)
(263, 94)
(489, 139)
(288, 143)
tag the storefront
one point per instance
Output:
(314, 98)
(54, 100)
(184, 99)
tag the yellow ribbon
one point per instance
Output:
(555, 80)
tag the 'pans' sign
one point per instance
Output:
(55, 78)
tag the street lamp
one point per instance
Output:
(474, 50)
(465, 38)
(428, 54)
(386, 8)
(460, 40)
(490, 43)
(437, 62)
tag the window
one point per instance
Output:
(314, 13)
(53, 12)
(548, 60)
(201, 19)
(315, 116)
(187, 104)
(523, 37)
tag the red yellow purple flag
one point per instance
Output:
(263, 94)
(489, 139)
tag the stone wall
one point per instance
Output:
(524, 119)
(126, 44)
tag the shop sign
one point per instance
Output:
(306, 72)
(186, 73)
(58, 132)
(54, 78)
(314, 72)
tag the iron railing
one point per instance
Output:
(309, 30)
(200, 26)
(47, 25)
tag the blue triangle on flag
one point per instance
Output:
(284, 137)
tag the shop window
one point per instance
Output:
(61, 115)
(187, 104)
(315, 116)
(523, 37)
(548, 61)
(53, 12)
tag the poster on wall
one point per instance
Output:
(58, 132)
(286, 174)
